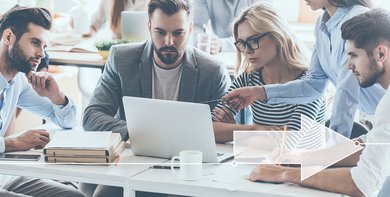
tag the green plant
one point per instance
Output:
(106, 45)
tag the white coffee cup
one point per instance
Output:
(190, 165)
(204, 41)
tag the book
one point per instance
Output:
(82, 47)
(87, 158)
(71, 43)
(76, 143)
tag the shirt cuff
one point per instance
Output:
(63, 110)
(2, 145)
(270, 92)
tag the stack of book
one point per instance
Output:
(83, 147)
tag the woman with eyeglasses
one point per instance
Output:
(328, 63)
(271, 56)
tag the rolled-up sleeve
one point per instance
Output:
(63, 115)
(2, 145)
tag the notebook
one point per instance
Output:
(161, 128)
(134, 25)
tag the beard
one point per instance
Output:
(18, 60)
(168, 58)
(372, 77)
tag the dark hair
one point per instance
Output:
(18, 18)
(169, 7)
(117, 7)
(367, 30)
(349, 3)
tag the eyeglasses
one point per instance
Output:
(252, 43)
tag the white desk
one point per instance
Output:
(90, 60)
(94, 60)
(113, 175)
(222, 180)
(218, 180)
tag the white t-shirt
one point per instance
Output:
(166, 83)
(373, 166)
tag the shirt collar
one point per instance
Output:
(4, 84)
(329, 22)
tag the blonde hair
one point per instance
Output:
(262, 17)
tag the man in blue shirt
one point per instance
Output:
(362, 173)
(24, 33)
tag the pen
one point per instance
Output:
(283, 140)
(116, 161)
(216, 101)
(163, 167)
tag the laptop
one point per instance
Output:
(161, 128)
(134, 25)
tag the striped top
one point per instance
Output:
(284, 114)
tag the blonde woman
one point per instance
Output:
(271, 56)
(328, 64)
(110, 11)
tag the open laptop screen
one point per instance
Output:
(134, 25)
(161, 128)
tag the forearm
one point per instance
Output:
(10, 144)
(295, 92)
(320, 156)
(224, 131)
(349, 161)
(336, 180)
(302, 91)
(59, 99)
(96, 120)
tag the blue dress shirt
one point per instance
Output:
(19, 93)
(329, 61)
(221, 14)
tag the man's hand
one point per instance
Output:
(45, 85)
(224, 115)
(27, 140)
(271, 173)
(243, 97)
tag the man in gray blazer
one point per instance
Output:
(163, 68)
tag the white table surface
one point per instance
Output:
(107, 174)
(219, 180)
(133, 173)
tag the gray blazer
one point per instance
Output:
(128, 72)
